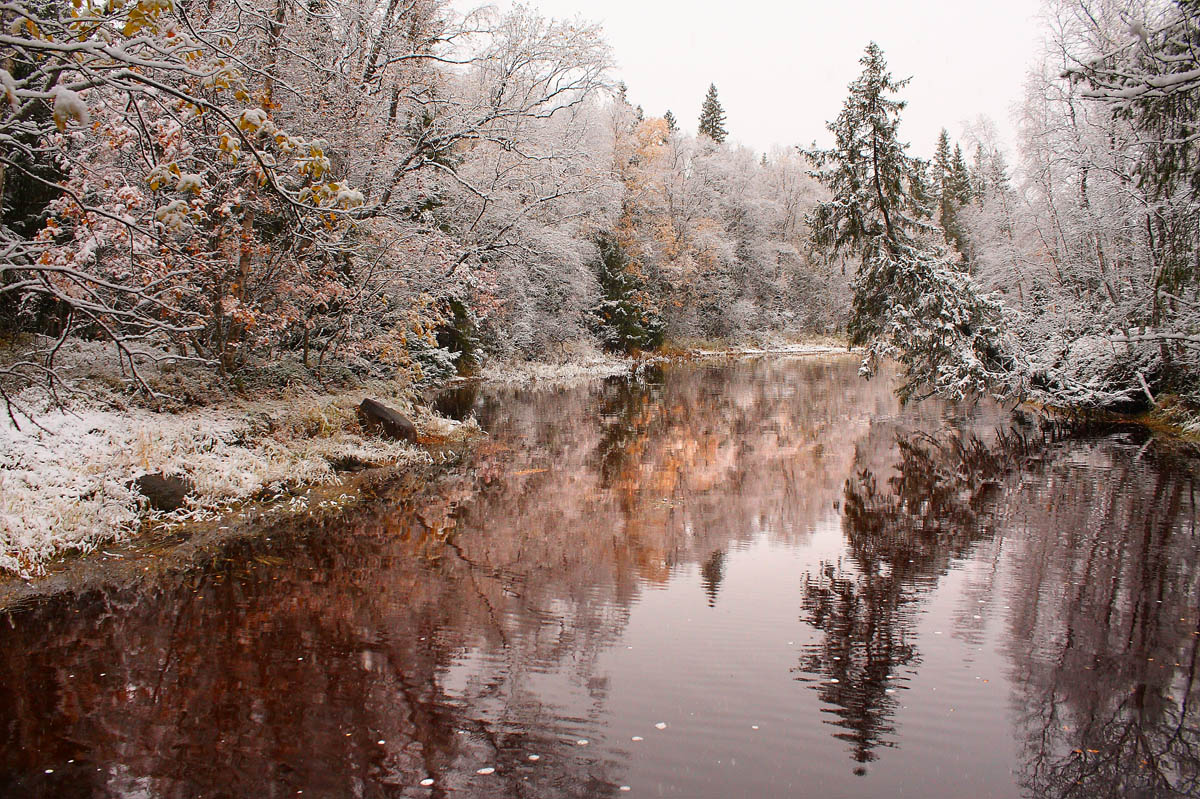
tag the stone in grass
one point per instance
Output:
(375, 417)
(163, 492)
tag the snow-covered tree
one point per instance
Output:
(911, 302)
(712, 117)
(626, 319)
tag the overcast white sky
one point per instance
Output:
(781, 68)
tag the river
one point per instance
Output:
(758, 578)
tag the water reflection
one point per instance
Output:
(1104, 587)
(901, 537)
(472, 618)
(1104, 635)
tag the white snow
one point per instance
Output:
(252, 119)
(349, 198)
(189, 181)
(68, 105)
(64, 481)
(10, 88)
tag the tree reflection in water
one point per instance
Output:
(467, 618)
(1105, 633)
(430, 617)
(1104, 584)
(900, 540)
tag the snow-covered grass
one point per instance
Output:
(766, 345)
(65, 479)
(576, 363)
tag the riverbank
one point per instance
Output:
(67, 469)
(66, 475)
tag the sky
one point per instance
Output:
(781, 68)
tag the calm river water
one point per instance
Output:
(759, 579)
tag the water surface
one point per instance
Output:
(762, 578)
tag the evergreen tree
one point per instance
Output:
(952, 189)
(941, 178)
(669, 118)
(712, 117)
(960, 178)
(911, 302)
(868, 170)
(941, 159)
(979, 176)
(924, 194)
(625, 319)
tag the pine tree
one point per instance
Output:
(669, 118)
(911, 302)
(712, 117)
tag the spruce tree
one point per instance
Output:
(868, 170)
(669, 118)
(712, 116)
(979, 176)
(960, 178)
(941, 160)
(952, 189)
(911, 303)
(941, 178)
(625, 319)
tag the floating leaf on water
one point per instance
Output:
(637, 738)
(582, 742)
(662, 725)
(535, 757)
(626, 788)
(486, 770)
(427, 781)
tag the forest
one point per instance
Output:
(383, 187)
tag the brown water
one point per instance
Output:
(758, 579)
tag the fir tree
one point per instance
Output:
(911, 302)
(941, 160)
(712, 117)
(941, 178)
(952, 189)
(924, 195)
(625, 319)
(669, 118)
(868, 170)
(960, 178)
(979, 176)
